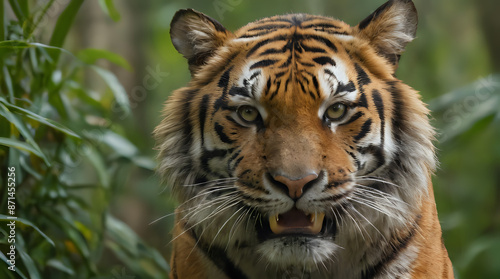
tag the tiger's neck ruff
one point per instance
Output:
(296, 153)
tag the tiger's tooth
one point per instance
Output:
(317, 223)
(312, 217)
(273, 224)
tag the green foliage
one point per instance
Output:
(459, 111)
(467, 185)
(53, 130)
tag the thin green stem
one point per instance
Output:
(63, 25)
(40, 17)
(16, 8)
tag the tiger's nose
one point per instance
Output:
(295, 187)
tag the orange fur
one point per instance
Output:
(185, 256)
(433, 260)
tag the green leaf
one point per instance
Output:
(84, 96)
(119, 144)
(460, 110)
(109, 8)
(129, 247)
(79, 242)
(23, 5)
(60, 266)
(4, 129)
(4, 258)
(28, 261)
(66, 222)
(123, 147)
(63, 24)
(34, 62)
(26, 166)
(116, 87)
(100, 166)
(51, 47)
(8, 83)
(14, 44)
(6, 47)
(21, 127)
(480, 90)
(57, 102)
(14, 161)
(476, 248)
(91, 55)
(27, 223)
(144, 162)
(20, 145)
(40, 119)
(18, 11)
(466, 120)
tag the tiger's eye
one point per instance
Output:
(248, 113)
(335, 112)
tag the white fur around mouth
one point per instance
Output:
(296, 221)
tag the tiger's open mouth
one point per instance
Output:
(296, 221)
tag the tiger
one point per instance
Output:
(295, 151)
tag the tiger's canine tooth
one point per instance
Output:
(273, 224)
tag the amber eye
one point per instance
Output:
(335, 112)
(248, 113)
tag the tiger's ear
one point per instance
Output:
(390, 28)
(196, 36)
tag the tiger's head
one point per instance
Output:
(294, 142)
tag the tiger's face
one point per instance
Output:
(294, 142)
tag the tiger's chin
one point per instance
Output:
(303, 252)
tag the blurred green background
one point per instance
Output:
(81, 89)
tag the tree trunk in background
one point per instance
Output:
(128, 37)
(489, 17)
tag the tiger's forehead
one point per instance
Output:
(294, 22)
(296, 57)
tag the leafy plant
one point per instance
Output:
(68, 152)
(468, 121)
(460, 110)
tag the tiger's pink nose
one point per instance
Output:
(295, 187)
